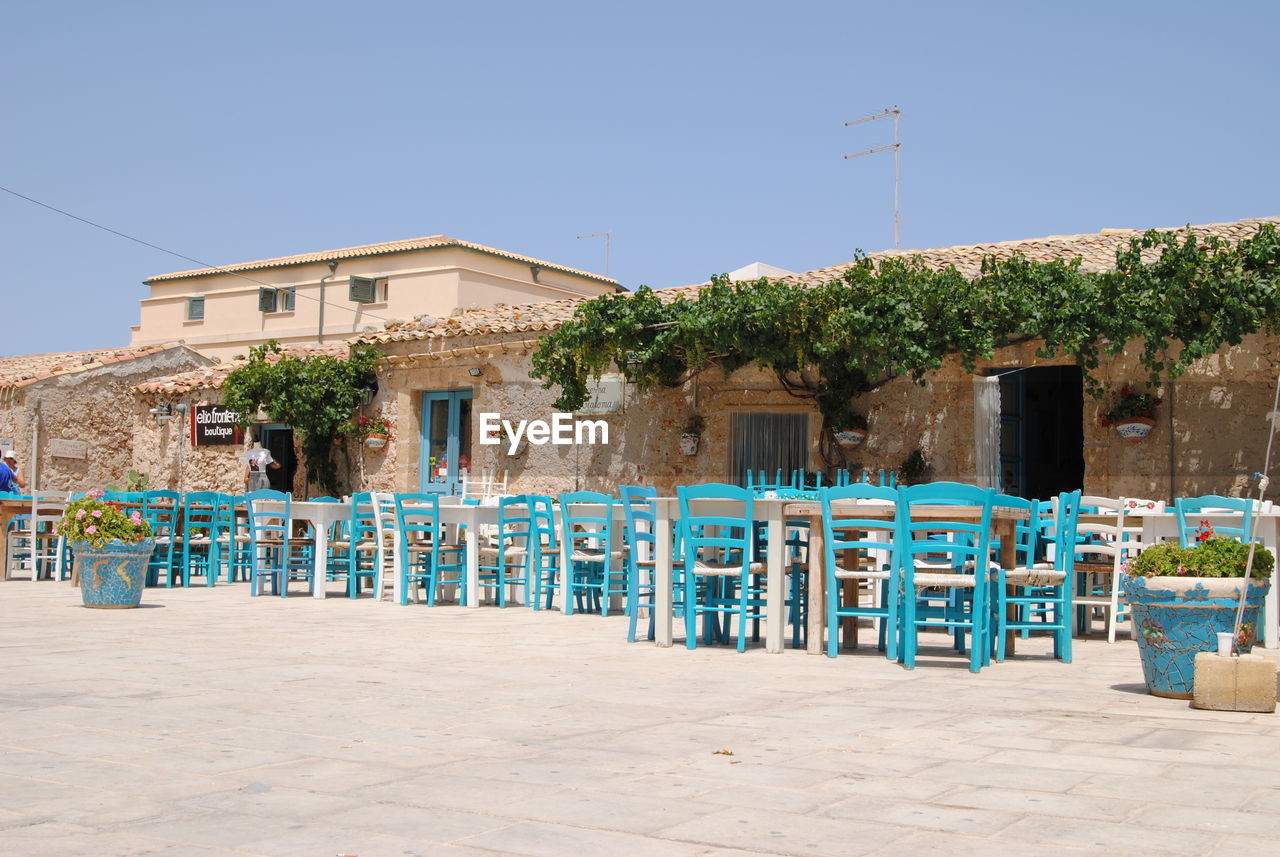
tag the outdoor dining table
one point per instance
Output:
(321, 516)
(775, 513)
(11, 505)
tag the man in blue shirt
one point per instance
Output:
(10, 482)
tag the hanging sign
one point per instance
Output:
(604, 395)
(214, 425)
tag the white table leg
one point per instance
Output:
(473, 564)
(321, 566)
(662, 605)
(775, 585)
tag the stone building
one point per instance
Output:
(441, 374)
(72, 417)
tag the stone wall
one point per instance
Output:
(95, 407)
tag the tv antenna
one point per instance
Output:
(896, 146)
(608, 242)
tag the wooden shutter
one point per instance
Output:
(364, 290)
(266, 300)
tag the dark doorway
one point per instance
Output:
(278, 440)
(1042, 431)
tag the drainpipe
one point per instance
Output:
(333, 266)
(33, 474)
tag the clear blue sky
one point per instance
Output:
(705, 135)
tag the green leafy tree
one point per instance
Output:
(315, 394)
(881, 320)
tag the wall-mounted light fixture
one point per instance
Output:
(475, 371)
(162, 412)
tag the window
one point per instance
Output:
(276, 300)
(368, 290)
(768, 442)
(195, 309)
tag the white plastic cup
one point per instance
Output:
(1224, 644)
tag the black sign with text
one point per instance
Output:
(214, 425)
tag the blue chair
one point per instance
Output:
(945, 580)
(1192, 512)
(595, 572)
(201, 518)
(275, 554)
(544, 556)
(640, 517)
(505, 562)
(1037, 595)
(718, 554)
(857, 549)
(163, 510)
(360, 545)
(425, 559)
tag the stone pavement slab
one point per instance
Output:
(210, 724)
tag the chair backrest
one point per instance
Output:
(1105, 532)
(1194, 526)
(163, 510)
(1026, 531)
(586, 521)
(542, 520)
(640, 519)
(264, 523)
(47, 507)
(418, 518)
(708, 528)
(861, 538)
(200, 512)
(925, 512)
(1063, 532)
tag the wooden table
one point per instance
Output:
(11, 505)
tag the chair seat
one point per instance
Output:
(718, 567)
(594, 556)
(1034, 576)
(509, 553)
(866, 573)
(954, 581)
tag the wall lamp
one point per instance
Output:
(475, 371)
(164, 411)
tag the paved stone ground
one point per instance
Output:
(209, 723)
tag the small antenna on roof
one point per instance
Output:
(896, 146)
(608, 242)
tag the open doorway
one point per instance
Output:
(1041, 431)
(278, 440)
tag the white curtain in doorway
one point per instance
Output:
(986, 430)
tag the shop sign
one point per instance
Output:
(214, 425)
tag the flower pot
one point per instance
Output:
(376, 441)
(689, 443)
(1176, 617)
(1135, 428)
(850, 437)
(112, 576)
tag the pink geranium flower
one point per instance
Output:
(97, 513)
(91, 529)
(80, 514)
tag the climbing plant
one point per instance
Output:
(882, 319)
(315, 394)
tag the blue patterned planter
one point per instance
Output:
(112, 576)
(1176, 617)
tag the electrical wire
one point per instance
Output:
(218, 268)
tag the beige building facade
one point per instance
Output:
(332, 295)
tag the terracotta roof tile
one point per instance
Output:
(431, 242)
(28, 368)
(211, 377)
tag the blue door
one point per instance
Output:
(446, 440)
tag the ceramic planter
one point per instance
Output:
(689, 443)
(1176, 617)
(376, 441)
(112, 576)
(1135, 428)
(850, 437)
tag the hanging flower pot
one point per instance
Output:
(1135, 428)
(689, 443)
(850, 437)
(376, 441)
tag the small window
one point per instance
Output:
(195, 309)
(368, 290)
(276, 300)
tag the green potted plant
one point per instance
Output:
(1130, 413)
(850, 429)
(1180, 599)
(111, 547)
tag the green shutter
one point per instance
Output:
(266, 300)
(195, 309)
(288, 299)
(364, 290)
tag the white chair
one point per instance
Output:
(388, 538)
(1108, 537)
(36, 548)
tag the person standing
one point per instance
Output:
(11, 481)
(257, 460)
